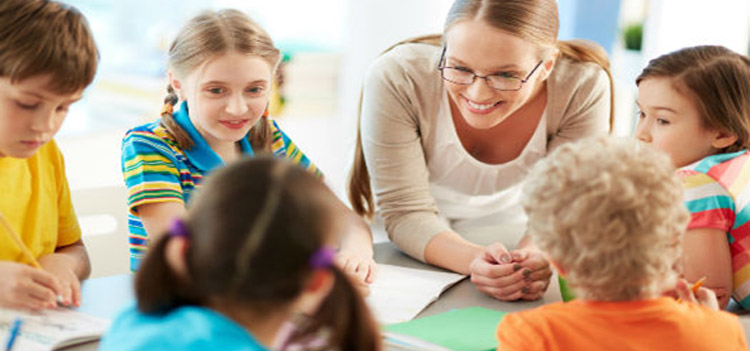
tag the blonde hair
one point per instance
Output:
(718, 80)
(534, 20)
(46, 37)
(610, 213)
(209, 35)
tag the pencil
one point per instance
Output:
(13, 334)
(697, 285)
(19, 242)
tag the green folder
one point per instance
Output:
(465, 329)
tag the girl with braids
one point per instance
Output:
(221, 66)
(695, 106)
(232, 272)
(450, 124)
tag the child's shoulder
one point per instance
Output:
(152, 133)
(273, 124)
(542, 315)
(279, 138)
(134, 330)
(47, 161)
(720, 168)
(50, 152)
(719, 161)
(703, 316)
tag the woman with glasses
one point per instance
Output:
(450, 124)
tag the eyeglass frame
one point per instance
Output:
(441, 68)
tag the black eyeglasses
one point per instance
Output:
(499, 81)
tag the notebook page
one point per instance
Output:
(51, 329)
(400, 293)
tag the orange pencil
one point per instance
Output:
(694, 288)
(697, 285)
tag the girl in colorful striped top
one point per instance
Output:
(695, 105)
(221, 65)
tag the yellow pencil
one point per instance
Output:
(19, 242)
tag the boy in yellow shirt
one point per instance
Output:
(609, 215)
(47, 57)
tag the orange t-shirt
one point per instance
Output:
(659, 324)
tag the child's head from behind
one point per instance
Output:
(47, 57)
(258, 238)
(695, 102)
(222, 63)
(609, 213)
(252, 229)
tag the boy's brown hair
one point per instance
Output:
(718, 80)
(46, 37)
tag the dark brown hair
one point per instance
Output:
(46, 37)
(718, 80)
(534, 20)
(251, 243)
(209, 35)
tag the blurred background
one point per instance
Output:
(327, 45)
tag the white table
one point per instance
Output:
(104, 297)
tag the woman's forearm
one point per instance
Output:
(449, 250)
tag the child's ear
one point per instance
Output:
(176, 84)
(723, 139)
(321, 281)
(174, 254)
(316, 289)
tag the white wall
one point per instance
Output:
(371, 27)
(674, 24)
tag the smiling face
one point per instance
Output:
(226, 96)
(671, 122)
(484, 50)
(30, 114)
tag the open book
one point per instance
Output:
(51, 329)
(399, 294)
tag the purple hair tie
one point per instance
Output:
(322, 258)
(178, 229)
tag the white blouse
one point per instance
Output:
(472, 194)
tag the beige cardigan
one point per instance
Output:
(401, 96)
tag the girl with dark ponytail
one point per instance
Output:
(230, 273)
(220, 69)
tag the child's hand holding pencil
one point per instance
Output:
(26, 286)
(696, 293)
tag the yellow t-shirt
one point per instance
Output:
(35, 200)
